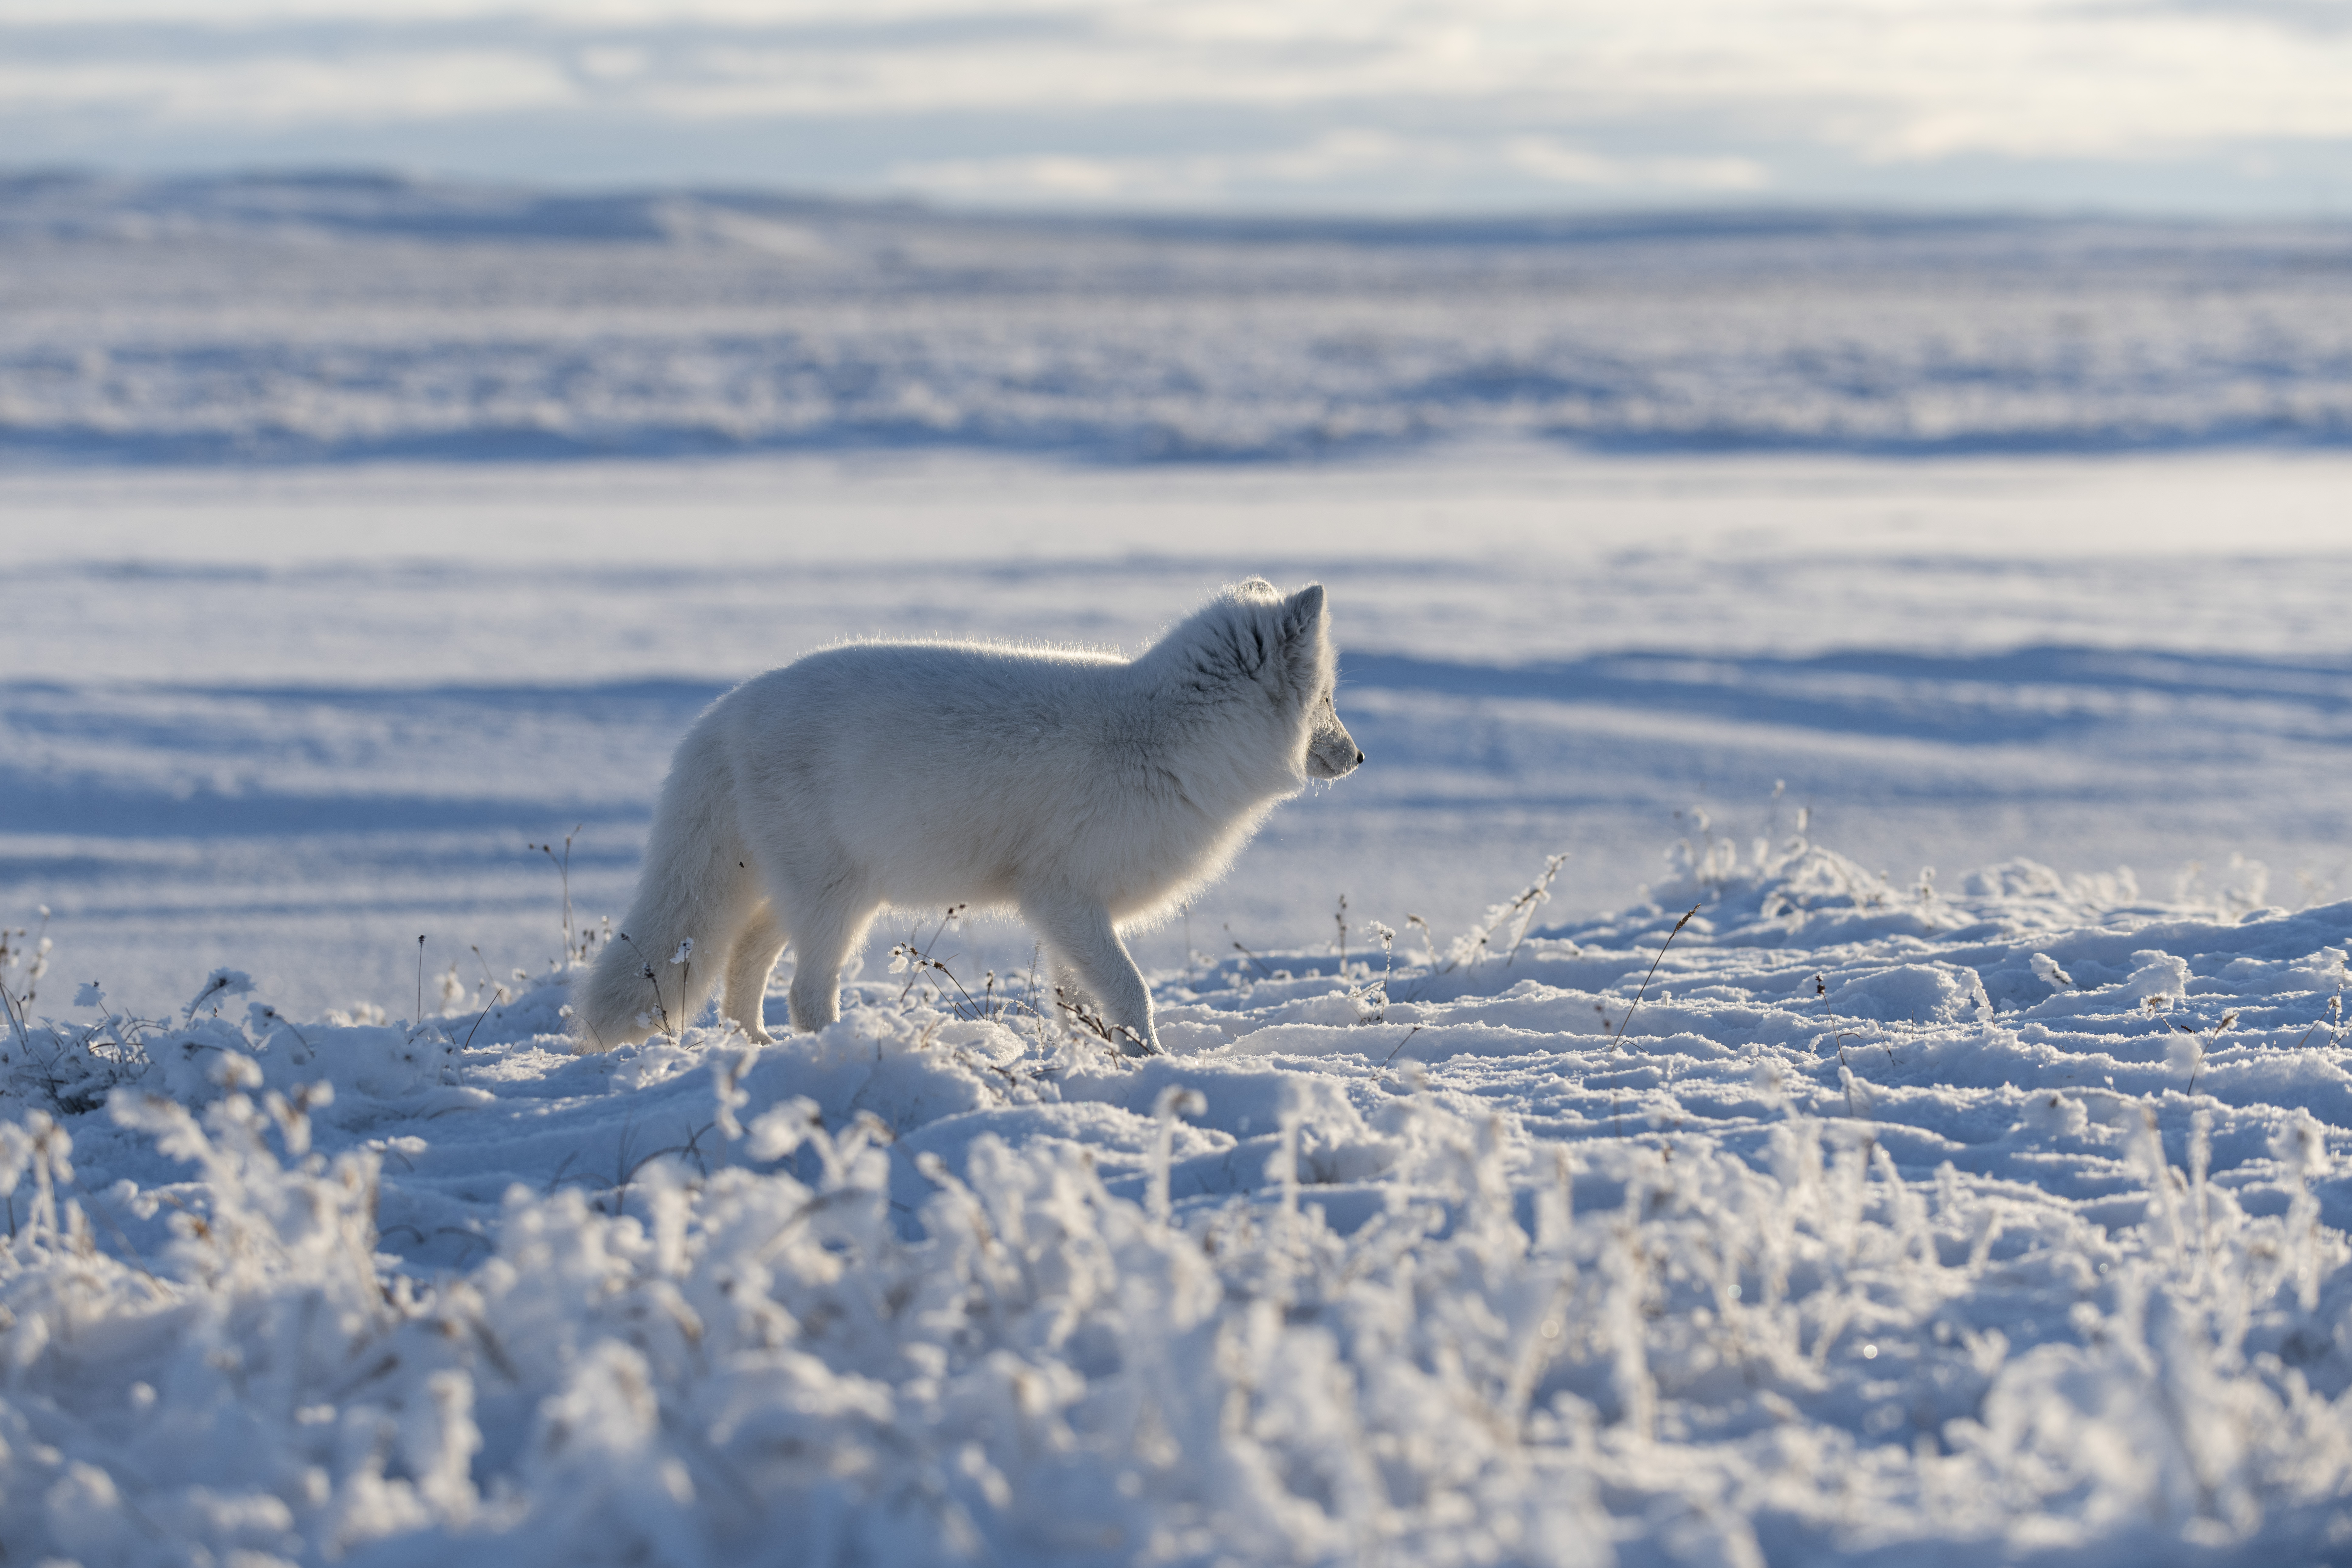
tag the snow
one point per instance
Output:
(309, 318)
(1864, 1237)
(1817, 1036)
(285, 720)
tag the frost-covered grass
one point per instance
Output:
(1964, 1224)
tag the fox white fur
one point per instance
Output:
(1085, 791)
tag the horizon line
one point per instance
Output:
(1530, 220)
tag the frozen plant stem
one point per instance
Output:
(1540, 895)
(15, 1019)
(1653, 970)
(563, 870)
(646, 969)
(32, 950)
(1121, 1036)
(2205, 1043)
(915, 960)
(913, 957)
(1378, 987)
(2334, 1013)
(1248, 955)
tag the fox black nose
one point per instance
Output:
(1359, 759)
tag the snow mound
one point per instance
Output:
(1830, 1222)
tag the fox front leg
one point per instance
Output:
(1082, 935)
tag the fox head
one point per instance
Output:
(1279, 649)
(1332, 752)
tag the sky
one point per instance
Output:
(2192, 107)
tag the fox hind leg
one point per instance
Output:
(757, 947)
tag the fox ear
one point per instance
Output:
(1302, 613)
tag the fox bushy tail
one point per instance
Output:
(696, 886)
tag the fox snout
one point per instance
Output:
(1332, 752)
(1333, 759)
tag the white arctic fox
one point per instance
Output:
(1084, 790)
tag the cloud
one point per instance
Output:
(1355, 157)
(1129, 99)
(2016, 78)
(1163, 180)
(283, 89)
(1550, 160)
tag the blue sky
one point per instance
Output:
(1308, 106)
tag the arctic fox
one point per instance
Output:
(1083, 790)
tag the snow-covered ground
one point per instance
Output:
(1964, 1186)
(288, 720)
(1887, 1223)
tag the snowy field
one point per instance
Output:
(1963, 1187)
(287, 721)
(346, 318)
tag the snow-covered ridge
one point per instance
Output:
(1981, 1221)
(351, 317)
